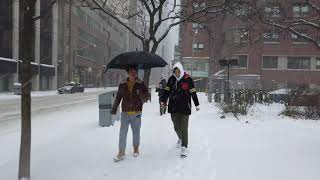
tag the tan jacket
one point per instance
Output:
(130, 101)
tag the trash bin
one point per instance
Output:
(17, 88)
(210, 97)
(105, 105)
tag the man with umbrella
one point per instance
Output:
(133, 93)
(179, 89)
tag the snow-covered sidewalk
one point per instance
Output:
(69, 145)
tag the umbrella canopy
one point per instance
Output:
(140, 59)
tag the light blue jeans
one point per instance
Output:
(135, 123)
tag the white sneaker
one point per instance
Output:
(135, 154)
(184, 152)
(179, 143)
(118, 158)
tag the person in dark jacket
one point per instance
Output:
(180, 89)
(133, 93)
(160, 90)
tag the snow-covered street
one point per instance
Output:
(68, 144)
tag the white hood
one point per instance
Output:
(180, 67)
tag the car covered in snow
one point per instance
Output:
(71, 87)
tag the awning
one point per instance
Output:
(10, 66)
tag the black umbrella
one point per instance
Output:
(140, 59)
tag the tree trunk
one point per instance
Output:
(27, 40)
(146, 77)
(147, 72)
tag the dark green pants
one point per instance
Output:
(180, 122)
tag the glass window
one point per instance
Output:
(318, 63)
(298, 62)
(272, 11)
(300, 10)
(6, 28)
(200, 46)
(198, 5)
(243, 61)
(196, 46)
(197, 26)
(271, 37)
(81, 15)
(296, 38)
(270, 62)
(237, 35)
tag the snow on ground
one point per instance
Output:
(68, 144)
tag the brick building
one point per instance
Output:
(267, 56)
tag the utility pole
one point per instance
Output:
(192, 59)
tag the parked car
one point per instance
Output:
(71, 88)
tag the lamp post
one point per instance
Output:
(192, 58)
(74, 52)
(228, 63)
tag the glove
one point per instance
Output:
(197, 108)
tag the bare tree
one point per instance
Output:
(27, 40)
(303, 22)
(152, 15)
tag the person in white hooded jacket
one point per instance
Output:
(180, 89)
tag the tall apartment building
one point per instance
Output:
(277, 59)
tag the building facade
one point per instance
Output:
(44, 59)
(94, 39)
(71, 43)
(277, 59)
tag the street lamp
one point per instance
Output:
(74, 54)
(228, 63)
(194, 39)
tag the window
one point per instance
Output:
(300, 10)
(81, 15)
(187, 67)
(272, 37)
(243, 61)
(198, 46)
(299, 39)
(197, 26)
(242, 9)
(270, 62)
(198, 5)
(272, 11)
(237, 36)
(298, 62)
(93, 24)
(318, 63)
(6, 29)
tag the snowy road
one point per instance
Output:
(42, 104)
(10, 104)
(68, 144)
